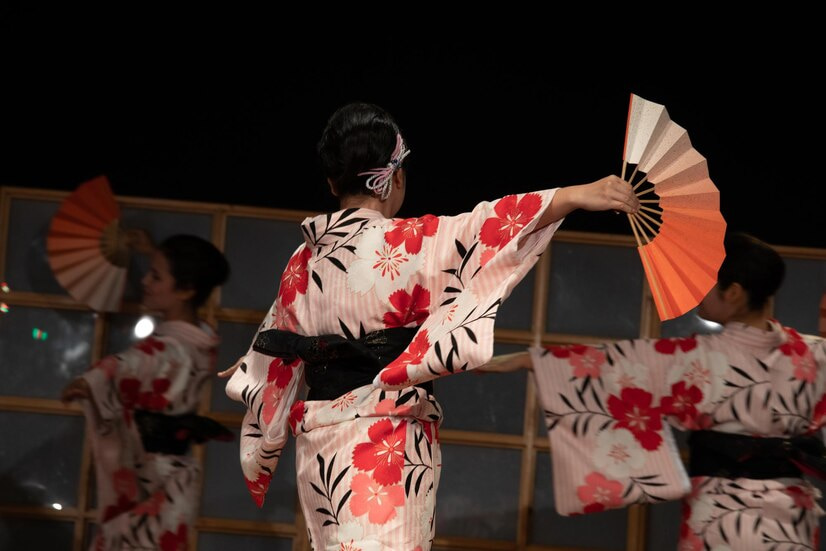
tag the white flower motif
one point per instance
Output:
(625, 374)
(618, 453)
(349, 538)
(706, 372)
(380, 265)
(344, 407)
(702, 511)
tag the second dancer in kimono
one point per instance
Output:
(141, 404)
(753, 397)
(370, 300)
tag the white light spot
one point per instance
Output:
(144, 327)
(57, 506)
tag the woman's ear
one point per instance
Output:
(735, 295)
(398, 178)
(332, 187)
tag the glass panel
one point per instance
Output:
(488, 402)
(221, 542)
(39, 364)
(160, 224)
(120, 332)
(26, 533)
(688, 324)
(27, 266)
(258, 251)
(605, 530)
(517, 310)
(31, 472)
(471, 502)
(235, 341)
(225, 493)
(797, 303)
(595, 290)
(663, 525)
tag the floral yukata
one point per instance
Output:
(608, 410)
(146, 500)
(368, 461)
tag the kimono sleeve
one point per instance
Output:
(817, 346)
(472, 263)
(268, 386)
(139, 377)
(609, 445)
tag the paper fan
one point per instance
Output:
(87, 248)
(679, 228)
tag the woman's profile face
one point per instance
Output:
(159, 293)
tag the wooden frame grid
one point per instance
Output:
(528, 442)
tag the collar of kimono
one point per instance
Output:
(327, 229)
(200, 336)
(752, 336)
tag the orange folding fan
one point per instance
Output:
(87, 248)
(679, 228)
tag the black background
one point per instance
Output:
(227, 106)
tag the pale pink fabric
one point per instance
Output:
(609, 407)
(358, 272)
(146, 500)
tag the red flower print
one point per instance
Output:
(155, 400)
(149, 345)
(129, 392)
(174, 541)
(295, 277)
(152, 505)
(633, 411)
(802, 497)
(599, 493)
(511, 217)
(587, 364)
(565, 351)
(377, 501)
(125, 483)
(820, 414)
(689, 541)
(681, 402)
(270, 399)
(384, 454)
(669, 346)
(396, 372)
(486, 256)
(296, 415)
(280, 372)
(411, 232)
(258, 487)
(123, 505)
(388, 408)
(410, 307)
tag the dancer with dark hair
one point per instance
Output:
(140, 406)
(753, 397)
(371, 301)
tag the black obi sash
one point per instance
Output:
(728, 455)
(335, 365)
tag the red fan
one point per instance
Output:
(87, 248)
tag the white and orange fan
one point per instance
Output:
(87, 248)
(679, 229)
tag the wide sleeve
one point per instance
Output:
(139, 377)
(472, 263)
(603, 406)
(268, 386)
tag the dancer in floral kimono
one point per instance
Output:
(140, 407)
(371, 300)
(754, 397)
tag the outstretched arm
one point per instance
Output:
(609, 193)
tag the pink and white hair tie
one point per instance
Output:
(381, 178)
